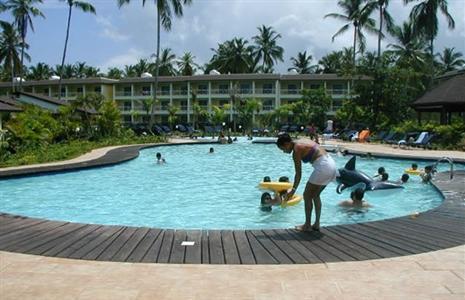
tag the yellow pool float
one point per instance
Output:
(413, 172)
(293, 201)
(276, 186)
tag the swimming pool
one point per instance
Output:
(197, 190)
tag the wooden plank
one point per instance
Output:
(231, 254)
(116, 245)
(144, 245)
(285, 247)
(45, 238)
(271, 247)
(216, 247)
(28, 233)
(107, 233)
(101, 247)
(349, 247)
(325, 251)
(301, 249)
(84, 242)
(178, 251)
(154, 250)
(374, 248)
(243, 248)
(17, 225)
(125, 251)
(65, 241)
(427, 226)
(205, 247)
(194, 253)
(262, 256)
(166, 245)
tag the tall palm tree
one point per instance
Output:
(186, 64)
(302, 63)
(115, 73)
(141, 67)
(357, 13)
(165, 8)
(41, 71)
(23, 11)
(451, 60)
(85, 7)
(266, 49)
(167, 61)
(425, 22)
(11, 44)
(233, 56)
(385, 20)
(409, 49)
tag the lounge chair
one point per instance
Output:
(378, 137)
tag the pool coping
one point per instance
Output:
(439, 228)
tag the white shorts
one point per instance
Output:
(324, 170)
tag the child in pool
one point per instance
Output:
(267, 201)
(356, 199)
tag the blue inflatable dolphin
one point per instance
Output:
(349, 176)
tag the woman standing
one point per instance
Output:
(324, 171)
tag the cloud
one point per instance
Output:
(129, 58)
(109, 30)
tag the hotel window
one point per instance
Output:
(165, 104)
(245, 88)
(268, 88)
(146, 90)
(314, 86)
(98, 89)
(292, 89)
(184, 90)
(267, 104)
(203, 89)
(63, 92)
(338, 89)
(127, 91)
(183, 105)
(45, 92)
(223, 89)
(80, 90)
(127, 105)
(165, 90)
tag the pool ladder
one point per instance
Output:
(451, 163)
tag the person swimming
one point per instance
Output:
(267, 201)
(160, 160)
(356, 199)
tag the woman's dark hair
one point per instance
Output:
(283, 179)
(266, 179)
(381, 170)
(357, 194)
(283, 138)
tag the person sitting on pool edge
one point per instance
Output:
(356, 199)
(160, 160)
(266, 201)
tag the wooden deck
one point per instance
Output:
(436, 229)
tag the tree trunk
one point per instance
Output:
(157, 68)
(12, 65)
(432, 61)
(381, 15)
(23, 38)
(355, 45)
(64, 52)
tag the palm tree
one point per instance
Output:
(66, 71)
(425, 22)
(234, 56)
(23, 11)
(164, 15)
(266, 48)
(450, 60)
(301, 63)
(11, 44)
(409, 48)
(141, 67)
(172, 117)
(80, 69)
(129, 71)
(167, 60)
(385, 20)
(358, 16)
(85, 7)
(41, 71)
(115, 73)
(186, 64)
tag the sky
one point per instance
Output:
(116, 37)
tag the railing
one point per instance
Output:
(451, 163)
(290, 92)
(74, 94)
(123, 94)
(220, 91)
(268, 107)
(337, 92)
(179, 92)
(265, 91)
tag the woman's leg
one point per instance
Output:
(317, 202)
(311, 192)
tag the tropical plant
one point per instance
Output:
(172, 115)
(10, 47)
(66, 71)
(129, 71)
(357, 13)
(233, 56)
(302, 63)
(186, 64)
(450, 60)
(165, 8)
(167, 61)
(85, 7)
(115, 73)
(424, 16)
(409, 48)
(108, 119)
(385, 20)
(266, 48)
(312, 107)
(246, 111)
(218, 114)
(41, 71)
(23, 11)
(281, 113)
(88, 103)
(141, 67)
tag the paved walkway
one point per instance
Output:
(432, 275)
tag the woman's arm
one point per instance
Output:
(298, 173)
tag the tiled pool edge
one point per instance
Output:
(439, 228)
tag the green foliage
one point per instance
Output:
(109, 119)
(312, 107)
(246, 111)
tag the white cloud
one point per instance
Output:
(120, 60)
(109, 30)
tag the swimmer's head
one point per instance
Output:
(212, 150)
(357, 194)
(381, 170)
(265, 202)
(414, 166)
(384, 176)
(404, 178)
(283, 179)
(158, 155)
(428, 169)
(266, 179)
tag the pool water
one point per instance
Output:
(198, 190)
